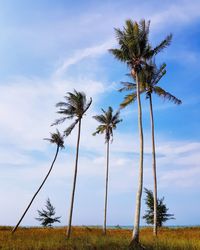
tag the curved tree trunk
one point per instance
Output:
(74, 183)
(15, 228)
(154, 167)
(106, 194)
(135, 236)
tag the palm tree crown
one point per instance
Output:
(134, 47)
(108, 123)
(74, 107)
(56, 138)
(149, 77)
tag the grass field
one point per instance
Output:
(92, 239)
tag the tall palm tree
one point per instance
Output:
(149, 77)
(56, 138)
(75, 106)
(108, 122)
(134, 50)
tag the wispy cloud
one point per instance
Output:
(82, 54)
(177, 13)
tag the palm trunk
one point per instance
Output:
(15, 228)
(106, 194)
(135, 236)
(154, 167)
(74, 183)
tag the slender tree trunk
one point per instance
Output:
(106, 194)
(74, 183)
(15, 228)
(154, 166)
(135, 236)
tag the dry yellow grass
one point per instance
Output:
(92, 238)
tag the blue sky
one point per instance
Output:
(50, 47)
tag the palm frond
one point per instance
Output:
(119, 34)
(100, 130)
(166, 95)
(144, 36)
(100, 118)
(127, 86)
(119, 54)
(59, 121)
(130, 26)
(108, 122)
(62, 104)
(115, 119)
(128, 99)
(144, 27)
(68, 114)
(68, 131)
(160, 72)
(87, 105)
(109, 114)
(56, 138)
(165, 43)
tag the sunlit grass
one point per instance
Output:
(92, 238)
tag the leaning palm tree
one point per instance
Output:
(134, 50)
(149, 78)
(56, 138)
(75, 106)
(108, 122)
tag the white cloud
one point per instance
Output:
(177, 13)
(27, 107)
(182, 178)
(81, 54)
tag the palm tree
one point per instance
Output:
(108, 122)
(75, 106)
(56, 138)
(149, 77)
(134, 50)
